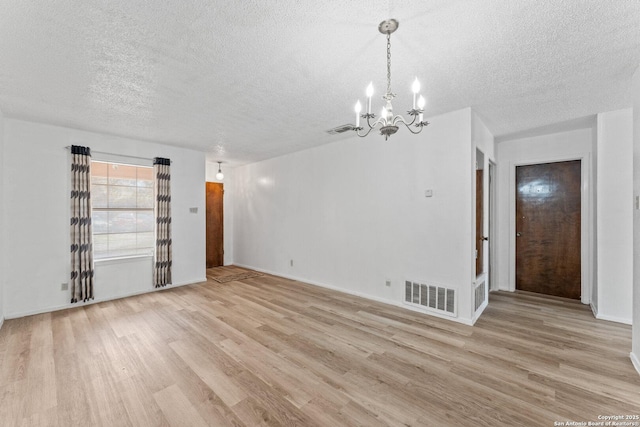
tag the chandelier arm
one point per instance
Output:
(381, 121)
(400, 119)
(419, 126)
(372, 116)
(362, 135)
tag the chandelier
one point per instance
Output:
(388, 122)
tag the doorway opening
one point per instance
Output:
(214, 224)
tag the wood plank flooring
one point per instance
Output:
(267, 351)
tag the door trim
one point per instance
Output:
(493, 232)
(221, 246)
(586, 220)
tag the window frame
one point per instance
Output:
(143, 250)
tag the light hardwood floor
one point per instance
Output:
(271, 351)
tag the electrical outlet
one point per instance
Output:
(64, 287)
(388, 283)
(291, 262)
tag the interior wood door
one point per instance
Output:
(548, 200)
(214, 226)
(479, 222)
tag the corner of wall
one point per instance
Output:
(635, 345)
(483, 140)
(481, 136)
(612, 291)
(635, 361)
(2, 221)
(595, 134)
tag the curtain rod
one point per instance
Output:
(115, 154)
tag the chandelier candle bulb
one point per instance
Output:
(421, 104)
(369, 95)
(416, 90)
(358, 109)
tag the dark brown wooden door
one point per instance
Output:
(479, 222)
(548, 228)
(215, 247)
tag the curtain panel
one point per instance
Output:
(81, 233)
(162, 266)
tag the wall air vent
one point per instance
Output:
(480, 295)
(431, 298)
(340, 129)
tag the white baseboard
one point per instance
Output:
(635, 361)
(96, 301)
(612, 318)
(358, 294)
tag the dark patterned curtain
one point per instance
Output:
(162, 268)
(81, 240)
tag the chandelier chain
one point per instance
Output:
(388, 63)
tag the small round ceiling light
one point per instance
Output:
(219, 175)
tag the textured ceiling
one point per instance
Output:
(249, 80)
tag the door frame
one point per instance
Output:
(221, 184)
(484, 276)
(480, 165)
(493, 231)
(586, 220)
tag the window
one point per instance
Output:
(122, 204)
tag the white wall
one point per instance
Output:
(37, 186)
(615, 215)
(353, 214)
(566, 145)
(3, 240)
(635, 352)
(227, 206)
